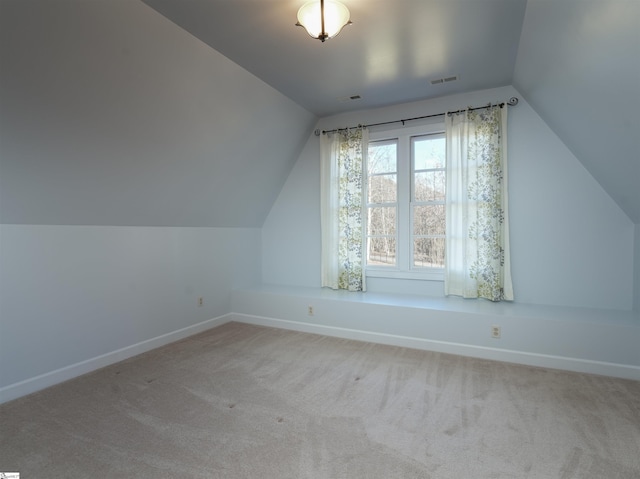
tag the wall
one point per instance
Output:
(571, 244)
(572, 264)
(575, 339)
(72, 294)
(129, 184)
(636, 262)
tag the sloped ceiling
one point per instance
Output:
(110, 114)
(575, 61)
(192, 112)
(579, 66)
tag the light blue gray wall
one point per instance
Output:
(74, 293)
(137, 167)
(577, 339)
(572, 263)
(571, 244)
(636, 262)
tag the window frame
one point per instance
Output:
(404, 268)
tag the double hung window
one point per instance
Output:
(406, 181)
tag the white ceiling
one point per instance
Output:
(387, 56)
(576, 62)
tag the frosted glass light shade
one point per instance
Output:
(336, 16)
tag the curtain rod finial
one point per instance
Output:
(513, 101)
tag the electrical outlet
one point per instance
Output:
(310, 310)
(495, 331)
(200, 301)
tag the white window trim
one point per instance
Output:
(403, 135)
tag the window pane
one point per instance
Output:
(429, 185)
(382, 221)
(381, 251)
(383, 189)
(428, 252)
(382, 157)
(429, 152)
(429, 220)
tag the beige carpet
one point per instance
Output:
(242, 401)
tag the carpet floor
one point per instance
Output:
(242, 401)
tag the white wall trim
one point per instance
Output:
(624, 371)
(31, 385)
(28, 386)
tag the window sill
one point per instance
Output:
(435, 275)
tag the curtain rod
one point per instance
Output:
(512, 102)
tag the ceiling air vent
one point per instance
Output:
(438, 81)
(345, 99)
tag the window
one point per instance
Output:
(406, 182)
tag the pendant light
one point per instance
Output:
(323, 19)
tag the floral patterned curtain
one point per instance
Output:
(342, 209)
(477, 261)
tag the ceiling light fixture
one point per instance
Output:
(324, 19)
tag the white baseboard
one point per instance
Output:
(530, 359)
(31, 385)
(28, 386)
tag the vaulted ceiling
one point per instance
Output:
(577, 62)
(388, 55)
(193, 112)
